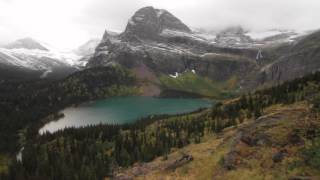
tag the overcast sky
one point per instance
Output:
(69, 23)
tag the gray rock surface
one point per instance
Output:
(300, 59)
(148, 23)
(164, 44)
(157, 39)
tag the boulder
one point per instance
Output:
(279, 156)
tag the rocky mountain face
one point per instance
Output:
(88, 48)
(157, 42)
(300, 59)
(86, 51)
(160, 43)
(233, 36)
(29, 59)
(239, 37)
(148, 23)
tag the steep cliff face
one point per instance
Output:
(157, 39)
(300, 59)
(161, 42)
(148, 23)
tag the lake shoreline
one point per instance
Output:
(139, 107)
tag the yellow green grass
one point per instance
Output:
(253, 162)
(4, 161)
(193, 83)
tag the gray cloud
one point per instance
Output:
(255, 14)
(94, 16)
(108, 14)
(216, 14)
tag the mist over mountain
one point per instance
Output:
(91, 17)
(88, 48)
(26, 43)
(30, 59)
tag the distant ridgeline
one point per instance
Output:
(95, 152)
(25, 104)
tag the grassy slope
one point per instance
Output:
(4, 160)
(194, 83)
(252, 162)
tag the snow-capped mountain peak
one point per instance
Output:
(89, 47)
(30, 55)
(26, 43)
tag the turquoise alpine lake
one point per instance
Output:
(121, 110)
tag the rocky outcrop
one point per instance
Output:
(233, 36)
(180, 162)
(260, 134)
(279, 156)
(148, 23)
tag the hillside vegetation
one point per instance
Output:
(25, 104)
(273, 147)
(269, 134)
(203, 86)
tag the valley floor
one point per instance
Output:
(266, 148)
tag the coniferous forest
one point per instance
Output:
(27, 103)
(96, 152)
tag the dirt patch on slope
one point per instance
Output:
(149, 82)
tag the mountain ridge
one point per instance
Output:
(148, 23)
(28, 58)
(167, 50)
(25, 43)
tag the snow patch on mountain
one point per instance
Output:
(88, 48)
(160, 12)
(38, 56)
(173, 33)
(46, 73)
(260, 35)
(176, 75)
(36, 59)
(276, 36)
(26, 43)
(131, 22)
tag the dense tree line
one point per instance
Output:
(26, 103)
(94, 152)
(64, 154)
(144, 145)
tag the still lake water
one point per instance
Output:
(122, 110)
